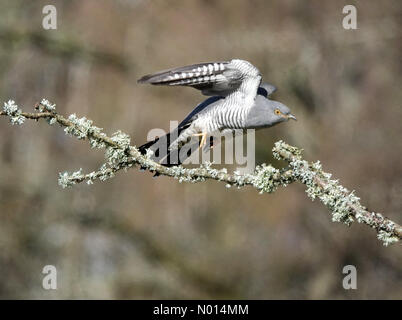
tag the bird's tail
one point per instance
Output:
(170, 157)
(161, 151)
(164, 154)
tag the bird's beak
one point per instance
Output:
(291, 116)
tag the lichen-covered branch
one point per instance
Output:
(344, 205)
(121, 155)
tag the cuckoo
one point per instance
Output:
(238, 100)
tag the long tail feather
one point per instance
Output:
(167, 157)
(192, 75)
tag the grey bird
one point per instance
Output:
(239, 100)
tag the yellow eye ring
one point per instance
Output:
(277, 112)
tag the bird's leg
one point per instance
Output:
(210, 144)
(203, 139)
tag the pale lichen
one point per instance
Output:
(46, 105)
(80, 127)
(387, 238)
(11, 109)
(69, 179)
(263, 179)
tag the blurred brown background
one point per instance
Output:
(138, 237)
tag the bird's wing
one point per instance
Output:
(213, 78)
(203, 105)
(266, 89)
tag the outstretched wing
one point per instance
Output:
(213, 78)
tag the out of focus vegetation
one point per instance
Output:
(138, 237)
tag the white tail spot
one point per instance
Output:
(220, 77)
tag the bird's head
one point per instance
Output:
(278, 112)
(267, 113)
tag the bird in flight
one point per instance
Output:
(238, 100)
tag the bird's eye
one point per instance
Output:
(277, 112)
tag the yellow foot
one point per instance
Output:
(203, 139)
